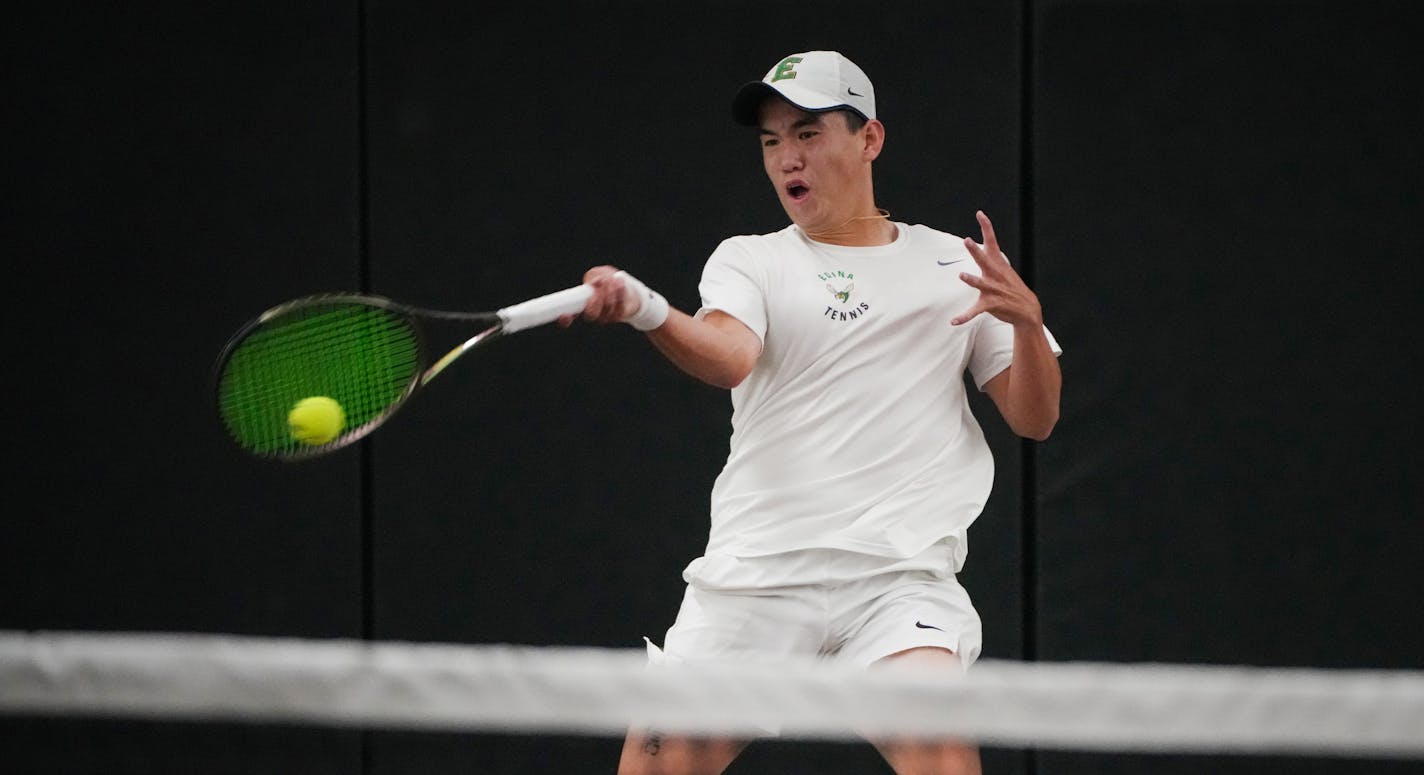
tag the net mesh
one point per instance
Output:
(495, 687)
(363, 356)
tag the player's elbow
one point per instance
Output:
(733, 367)
(730, 374)
(724, 382)
(1038, 428)
(1038, 435)
(729, 350)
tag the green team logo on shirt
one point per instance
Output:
(843, 295)
(840, 284)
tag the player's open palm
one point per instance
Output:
(1002, 293)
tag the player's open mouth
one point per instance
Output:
(797, 190)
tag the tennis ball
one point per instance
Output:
(316, 420)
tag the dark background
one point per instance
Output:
(1219, 205)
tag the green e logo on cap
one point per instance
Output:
(786, 69)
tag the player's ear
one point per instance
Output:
(874, 139)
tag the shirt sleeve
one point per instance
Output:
(993, 348)
(732, 282)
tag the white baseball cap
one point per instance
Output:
(812, 80)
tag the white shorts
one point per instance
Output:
(857, 622)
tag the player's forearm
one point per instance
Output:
(712, 351)
(1035, 383)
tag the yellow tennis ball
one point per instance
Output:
(316, 420)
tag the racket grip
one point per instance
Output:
(545, 309)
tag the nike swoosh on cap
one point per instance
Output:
(924, 626)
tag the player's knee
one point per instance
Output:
(653, 753)
(920, 757)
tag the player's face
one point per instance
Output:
(819, 168)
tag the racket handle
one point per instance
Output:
(545, 309)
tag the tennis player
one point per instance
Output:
(855, 467)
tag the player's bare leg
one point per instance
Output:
(651, 753)
(929, 757)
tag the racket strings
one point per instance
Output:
(362, 356)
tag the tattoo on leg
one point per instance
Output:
(652, 744)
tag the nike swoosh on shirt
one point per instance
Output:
(927, 626)
(947, 263)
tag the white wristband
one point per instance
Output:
(652, 311)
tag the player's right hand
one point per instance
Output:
(610, 302)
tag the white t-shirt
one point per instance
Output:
(853, 432)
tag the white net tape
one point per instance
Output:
(1090, 706)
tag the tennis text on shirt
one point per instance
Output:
(841, 285)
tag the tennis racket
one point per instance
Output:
(358, 357)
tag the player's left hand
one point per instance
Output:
(1002, 293)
